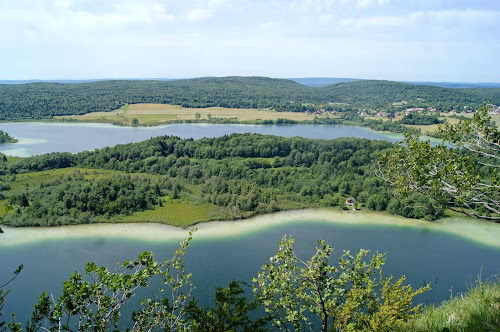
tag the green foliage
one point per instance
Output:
(293, 291)
(8, 208)
(96, 305)
(2, 301)
(6, 138)
(231, 312)
(462, 177)
(73, 199)
(162, 312)
(13, 326)
(420, 119)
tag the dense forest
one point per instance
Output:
(242, 173)
(44, 100)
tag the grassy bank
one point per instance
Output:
(477, 310)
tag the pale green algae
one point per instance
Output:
(483, 232)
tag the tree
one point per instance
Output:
(294, 291)
(231, 312)
(197, 116)
(96, 305)
(461, 173)
(135, 122)
(8, 208)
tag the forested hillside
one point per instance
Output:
(45, 100)
(381, 94)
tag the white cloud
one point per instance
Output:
(365, 3)
(326, 19)
(131, 36)
(199, 15)
(316, 5)
(434, 20)
(62, 17)
(371, 3)
(268, 25)
(469, 16)
(66, 24)
(322, 5)
(216, 2)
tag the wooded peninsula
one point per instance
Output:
(229, 177)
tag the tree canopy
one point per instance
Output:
(461, 173)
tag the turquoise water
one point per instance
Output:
(445, 261)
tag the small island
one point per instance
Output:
(6, 138)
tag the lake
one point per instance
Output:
(447, 254)
(222, 251)
(38, 138)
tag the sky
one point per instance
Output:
(405, 40)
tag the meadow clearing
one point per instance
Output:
(156, 114)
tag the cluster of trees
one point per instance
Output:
(6, 138)
(244, 173)
(45, 100)
(353, 118)
(73, 199)
(420, 119)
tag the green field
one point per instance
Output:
(156, 114)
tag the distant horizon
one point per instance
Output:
(340, 79)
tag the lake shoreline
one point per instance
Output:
(388, 134)
(480, 232)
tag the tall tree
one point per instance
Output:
(461, 173)
(96, 305)
(296, 293)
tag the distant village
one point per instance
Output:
(494, 109)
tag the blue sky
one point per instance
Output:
(419, 40)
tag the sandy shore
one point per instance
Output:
(483, 232)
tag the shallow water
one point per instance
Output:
(481, 232)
